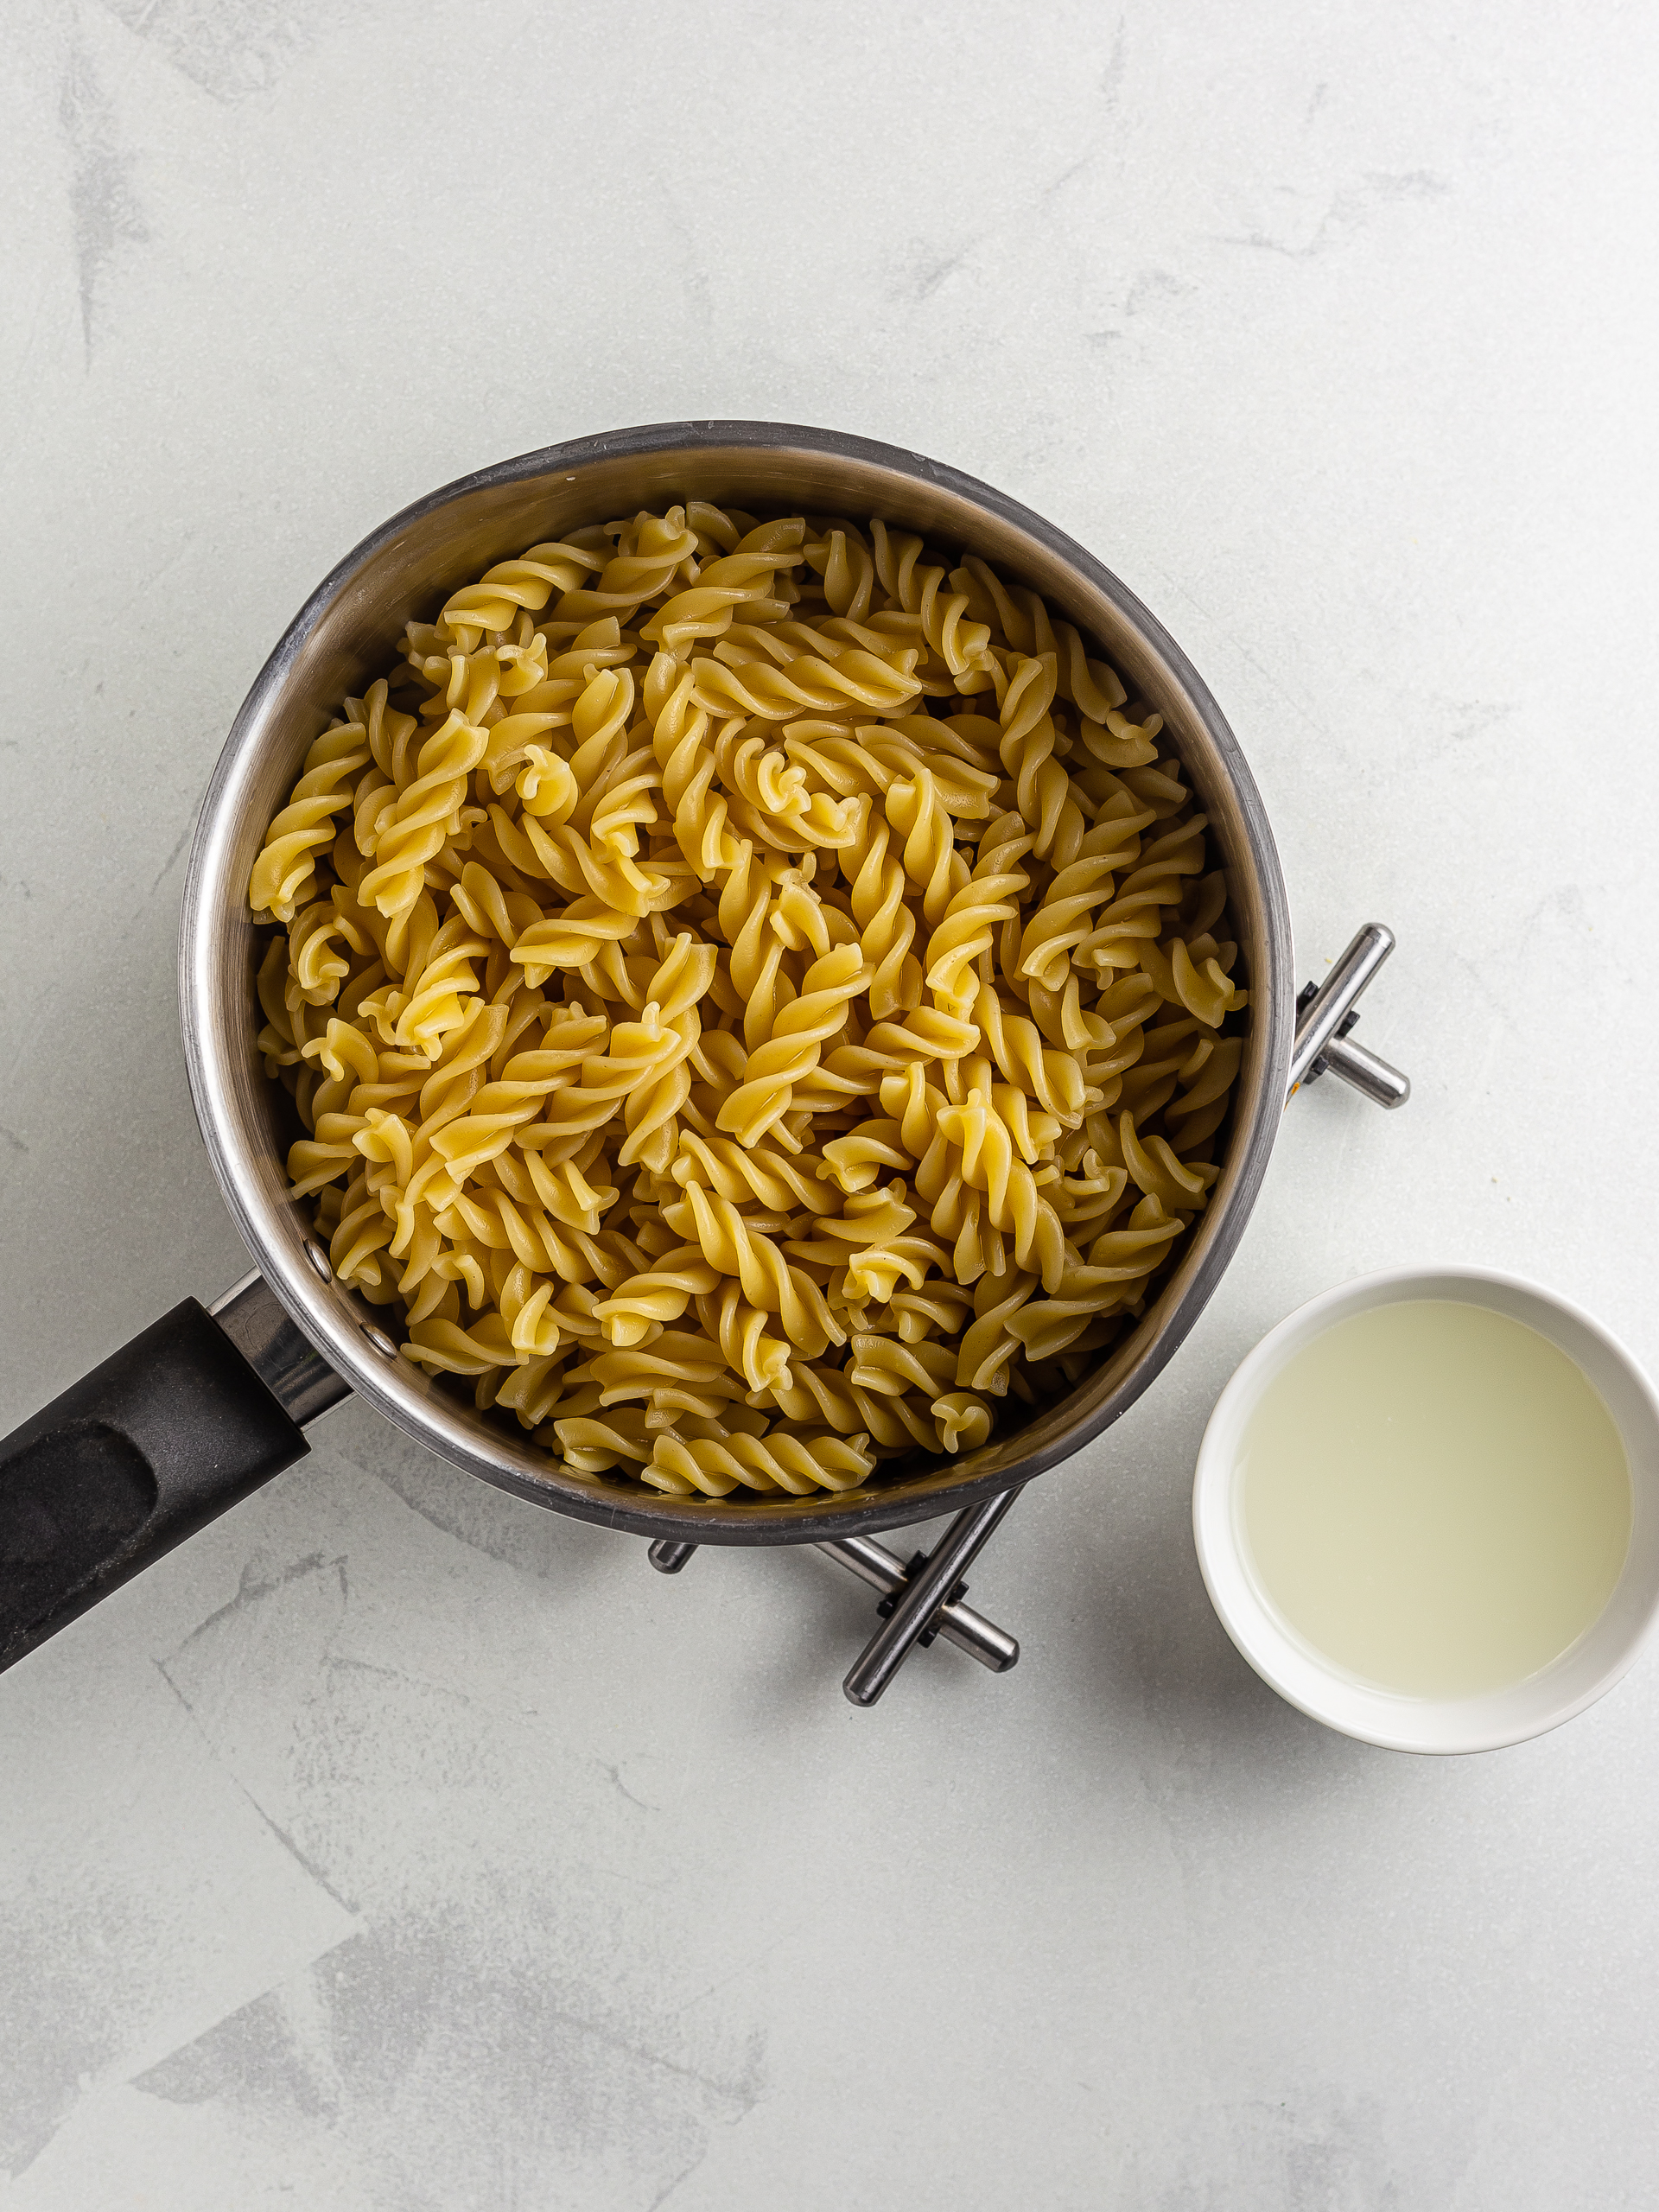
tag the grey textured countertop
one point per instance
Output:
(396, 1846)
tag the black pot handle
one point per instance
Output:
(198, 1410)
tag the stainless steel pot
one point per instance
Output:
(309, 1337)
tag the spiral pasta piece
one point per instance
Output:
(1065, 917)
(750, 1348)
(492, 602)
(969, 927)
(845, 562)
(962, 645)
(857, 682)
(735, 1247)
(286, 866)
(1026, 750)
(793, 1049)
(425, 815)
(659, 1296)
(660, 546)
(749, 1174)
(886, 922)
(798, 1465)
(918, 815)
(964, 1420)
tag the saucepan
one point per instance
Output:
(206, 1404)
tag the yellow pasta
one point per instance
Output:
(756, 998)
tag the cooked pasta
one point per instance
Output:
(754, 994)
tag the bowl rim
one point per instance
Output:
(278, 1254)
(1492, 1720)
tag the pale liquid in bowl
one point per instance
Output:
(1435, 1497)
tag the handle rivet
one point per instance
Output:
(318, 1259)
(380, 1340)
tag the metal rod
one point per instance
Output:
(1375, 1078)
(959, 1624)
(924, 1593)
(668, 1558)
(1324, 1014)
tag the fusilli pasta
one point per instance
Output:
(754, 994)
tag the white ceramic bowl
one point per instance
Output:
(1322, 1690)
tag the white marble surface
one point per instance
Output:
(396, 1846)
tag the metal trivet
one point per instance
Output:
(922, 1597)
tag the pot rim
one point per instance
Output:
(277, 1243)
